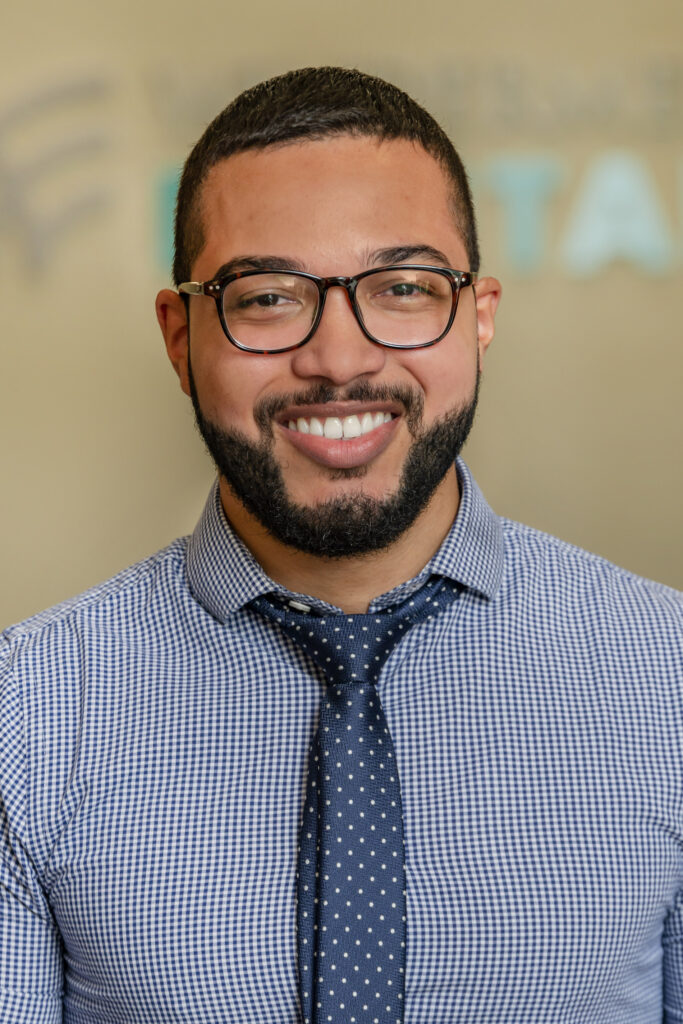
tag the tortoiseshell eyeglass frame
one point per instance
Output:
(458, 279)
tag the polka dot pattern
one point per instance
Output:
(351, 879)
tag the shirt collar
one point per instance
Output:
(224, 576)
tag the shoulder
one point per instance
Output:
(583, 585)
(123, 600)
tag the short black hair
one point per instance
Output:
(314, 103)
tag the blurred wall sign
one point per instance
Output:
(501, 99)
(616, 215)
(39, 150)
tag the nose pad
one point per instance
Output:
(335, 285)
(331, 300)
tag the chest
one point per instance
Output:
(533, 843)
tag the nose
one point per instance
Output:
(338, 351)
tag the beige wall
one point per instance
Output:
(579, 430)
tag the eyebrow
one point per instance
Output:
(408, 253)
(378, 257)
(258, 263)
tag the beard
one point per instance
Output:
(352, 524)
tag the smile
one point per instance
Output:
(340, 442)
(337, 428)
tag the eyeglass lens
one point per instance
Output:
(272, 311)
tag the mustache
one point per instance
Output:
(411, 401)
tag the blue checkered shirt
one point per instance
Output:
(154, 736)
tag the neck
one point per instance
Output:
(349, 583)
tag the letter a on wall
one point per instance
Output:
(617, 216)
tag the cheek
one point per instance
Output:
(447, 377)
(229, 386)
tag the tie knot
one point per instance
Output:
(352, 649)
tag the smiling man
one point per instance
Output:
(337, 446)
(358, 750)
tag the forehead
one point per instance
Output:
(325, 201)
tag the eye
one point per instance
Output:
(268, 300)
(265, 300)
(407, 289)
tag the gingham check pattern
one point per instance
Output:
(153, 742)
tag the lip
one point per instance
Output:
(336, 453)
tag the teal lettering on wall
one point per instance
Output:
(617, 215)
(524, 186)
(166, 192)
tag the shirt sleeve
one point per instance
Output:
(30, 947)
(672, 942)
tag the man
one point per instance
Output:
(207, 817)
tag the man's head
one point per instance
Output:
(307, 105)
(330, 173)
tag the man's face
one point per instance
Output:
(334, 207)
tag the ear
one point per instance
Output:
(172, 317)
(487, 291)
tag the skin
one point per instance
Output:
(330, 205)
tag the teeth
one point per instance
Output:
(334, 427)
(352, 427)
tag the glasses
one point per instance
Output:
(269, 311)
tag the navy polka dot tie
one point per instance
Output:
(351, 911)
